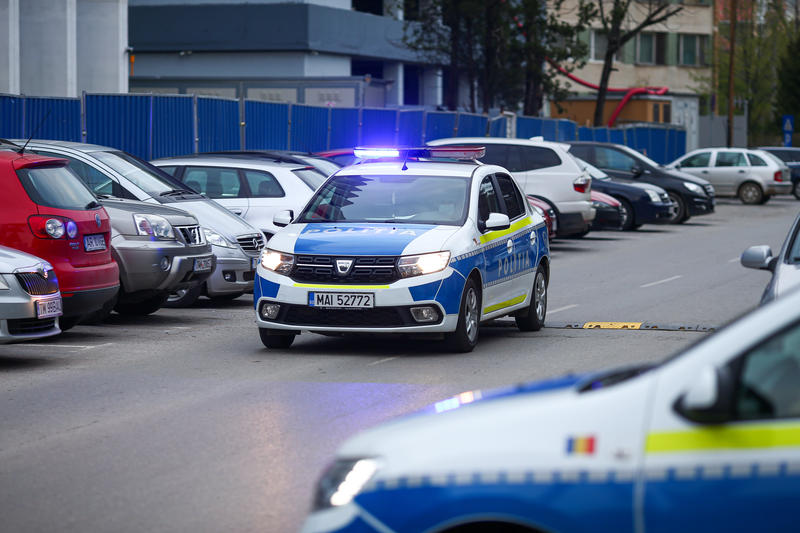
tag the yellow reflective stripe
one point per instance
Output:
(492, 235)
(507, 303)
(722, 438)
(612, 325)
(313, 286)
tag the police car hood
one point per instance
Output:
(561, 420)
(361, 239)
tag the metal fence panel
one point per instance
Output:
(567, 130)
(12, 112)
(309, 129)
(585, 134)
(549, 128)
(498, 127)
(601, 135)
(344, 128)
(470, 125)
(641, 139)
(680, 144)
(658, 145)
(173, 123)
(439, 125)
(218, 124)
(121, 121)
(410, 128)
(378, 127)
(528, 127)
(266, 125)
(53, 118)
(616, 136)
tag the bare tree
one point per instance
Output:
(613, 15)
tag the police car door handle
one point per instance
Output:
(510, 246)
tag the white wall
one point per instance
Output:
(9, 46)
(48, 50)
(240, 65)
(102, 40)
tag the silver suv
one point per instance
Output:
(235, 243)
(253, 186)
(30, 302)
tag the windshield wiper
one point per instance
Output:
(177, 192)
(92, 205)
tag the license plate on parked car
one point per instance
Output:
(254, 263)
(48, 308)
(92, 243)
(203, 264)
(346, 300)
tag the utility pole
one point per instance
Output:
(733, 16)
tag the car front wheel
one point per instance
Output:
(271, 340)
(796, 190)
(677, 213)
(533, 319)
(465, 337)
(750, 193)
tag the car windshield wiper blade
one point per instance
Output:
(177, 192)
(92, 205)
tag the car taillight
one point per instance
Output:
(47, 227)
(778, 175)
(582, 184)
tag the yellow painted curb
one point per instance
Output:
(612, 325)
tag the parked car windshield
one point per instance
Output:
(640, 156)
(56, 187)
(312, 177)
(147, 177)
(787, 156)
(323, 165)
(390, 199)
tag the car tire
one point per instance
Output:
(766, 199)
(184, 297)
(750, 193)
(678, 210)
(142, 307)
(68, 322)
(280, 342)
(534, 315)
(628, 219)
(465, 337)
(796, 189)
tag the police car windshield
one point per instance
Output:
(390, 199)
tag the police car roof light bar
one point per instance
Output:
(426, 152)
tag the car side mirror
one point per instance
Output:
(497, 221)
(758, 257)
(678, 166)
(283, 218)
(709, 398)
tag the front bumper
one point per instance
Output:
(18, 321)
(607, 217)
(391, 313)
(233, 274)
(140, 264)
(700, 205)
(653, 213)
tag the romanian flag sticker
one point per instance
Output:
(580, 445)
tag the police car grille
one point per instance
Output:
(192, 235)
(377, 317)
(365, 269)
(35, 284)
(26, 326)
(252, 243)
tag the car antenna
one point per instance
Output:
(22, 150)
(405, 160)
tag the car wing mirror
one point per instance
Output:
(497, 221)
(708, 400)
(636, 169)
(283, 218)
(758, 257)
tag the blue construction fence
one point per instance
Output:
(153, 126)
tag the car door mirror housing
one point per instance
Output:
(637, 169)
(708, 400)
(283, 218)
(758, 257)
(497, 221)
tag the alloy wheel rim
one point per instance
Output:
(540, 292)
(471, 315)
(177, 295)
(674, 210)
(749, 193)
(623, 215)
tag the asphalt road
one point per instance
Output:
(182, 421)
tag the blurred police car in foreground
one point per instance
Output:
(406, 243)
(708, 440)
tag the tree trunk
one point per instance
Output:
(532, 103)
(600, 104)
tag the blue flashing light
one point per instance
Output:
(372, 153)
(427, 152)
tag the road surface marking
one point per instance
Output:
(554, 311)
(659, 282)
(381, 361)
(734, 260)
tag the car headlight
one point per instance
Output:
(153, 225)
(417, 265)
(278, 262)
(695, 188)
(654, 196)
(342, 481)
(216, 239)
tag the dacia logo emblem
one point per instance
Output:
(97, 219)
(343, 266)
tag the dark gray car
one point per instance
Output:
(785, 267)
(159, 250)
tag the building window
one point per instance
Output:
(651, 48)
(599, 44)
(694, 50)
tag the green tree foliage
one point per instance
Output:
(788, 97)
(498, 48)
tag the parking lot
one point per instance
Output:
(181, 420)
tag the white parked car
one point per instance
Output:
(543, 169)
(30, 302)
(752, 175)
(251, 185)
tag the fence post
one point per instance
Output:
(330, 126)
(424, 126)
(242, 121)
(289, 129)
(455, 125)
(360, 124)
(24, 102)
(83, 116)
(396, 126)
(150, 130)
(195, 125)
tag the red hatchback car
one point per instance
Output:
(46, 211)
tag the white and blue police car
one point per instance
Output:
(422, 240)
(708, 440)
